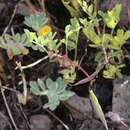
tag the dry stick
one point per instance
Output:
(57, 118)
(24, 115)
(80, 68)
(8, 109)
(4, 117)
(35, 63)
(12, 17)
(10, 89)
(42, 4)
(24, 81)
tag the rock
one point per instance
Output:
(121, 99)
(80, 107)
(92, 124)
(40, 122)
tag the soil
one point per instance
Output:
(76, 113)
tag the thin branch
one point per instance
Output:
(8, 109)
(103, 47)
(92, 76)
(12, 17)
(10, 89)
(57, 118)
(24, 83)
(80, 68)
(35, 63)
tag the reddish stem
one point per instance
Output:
(31, 6)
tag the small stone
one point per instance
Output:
(121, 98)
(80, 107)
(92, 124)
(40, 122)
(114, 117)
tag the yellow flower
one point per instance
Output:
(43, 31)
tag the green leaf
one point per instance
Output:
(36, 21)
(69, 74)
(92, 36)
(117, 41)
(97, 108)
(72, 6)
(55, 91)
(30, 37)
(88, 9)
(41, 84)
(72, 33)
(35, 88)
(3, 43)
(111, 18)
(112, 71)
(66, 95)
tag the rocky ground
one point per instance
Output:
(77, 112)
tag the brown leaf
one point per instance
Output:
(10, 53)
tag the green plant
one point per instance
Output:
(107, 44)
(107, 39)
(72, 35)
(54, 90)
(36, 21)
(73, 6)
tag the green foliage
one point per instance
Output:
(69, 74)
(92, 36)
(111, 18)
(72, 33)
(112, 42)
(116, 42)
(14, 44)
(42, 43)
(112, 71)
(73, 6)
(36, 21)
(54, 90)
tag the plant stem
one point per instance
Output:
(7, 107)
(42, 4)
(80, 68)
(92, 76)
(95, 5)
(76, 49)
(66, 46)
(103, 47)
(35, 63)
(24, 83)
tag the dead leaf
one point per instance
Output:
(10, 54)
(15, 49)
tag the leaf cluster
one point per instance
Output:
(54, 90)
